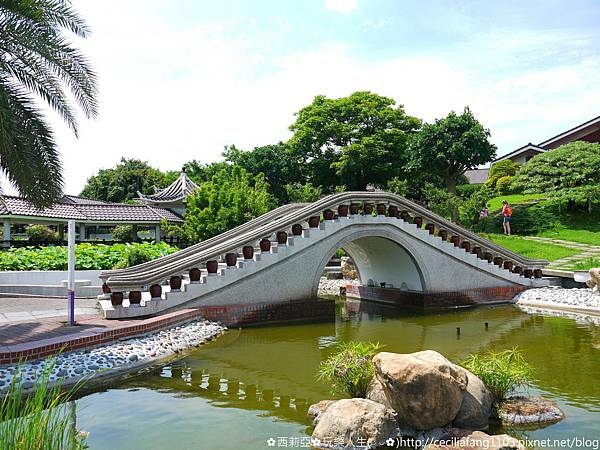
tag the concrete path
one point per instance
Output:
(15, 309)
(568, 263)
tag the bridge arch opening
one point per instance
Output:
(381, 261)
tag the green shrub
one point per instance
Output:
(123, 233)
(397, 186)
(349, 369)
(471, 207)
(41, 421)
(466, 190)
(87, 256)
(39, 234)
(501, 372)
(503, 185)
(501, 169)
(524, 221)
(588, 263)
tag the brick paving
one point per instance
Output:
(568, 263)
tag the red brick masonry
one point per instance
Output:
(243, 314)
(434, 300)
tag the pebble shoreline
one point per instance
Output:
(118, 356)
(580, 299)
(332, 287)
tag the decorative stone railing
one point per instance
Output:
(292, 220)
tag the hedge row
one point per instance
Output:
(87, 256)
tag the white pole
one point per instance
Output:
(71, 275)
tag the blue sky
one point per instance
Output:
(181, 79)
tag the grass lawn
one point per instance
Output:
(495, 204)
(587, 264)
(578, 227)
(531, 249)
(581, 236)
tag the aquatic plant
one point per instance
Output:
(43, 420)
(502, 372)
(350, 369)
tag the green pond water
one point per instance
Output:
(257, 383)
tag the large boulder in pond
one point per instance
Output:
(459, 439)
(476, 407)
(316, 409)
(357, 420)
(424, 388)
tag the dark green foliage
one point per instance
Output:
(440, 201)
(123, 182)
(275, 162)
(41, 234)
(501, 372)
(450, 146)
(398, 186)
(123, 233)
(303, 193)
(352, 141)
(471, 207)
(570, 173)
(524, 221)
(504, 168)
(230, 198)
(87, 256)
(466, 190)
(39, 63)
(350, 369)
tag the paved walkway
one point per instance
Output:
(19, 309)
(568, 263)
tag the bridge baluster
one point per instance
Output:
(354, 208)
(248, 252)
(498, 261)
(393, 211)
(537, 273)
(328, 214)
(431, 228)
(466, 245)
(175, 282)
(155, 291)
(297, 229)
(116, 298)
(135, 297)
(518, 269)
(105, 288)
(195, 275)
(528, 273)
(265, 245)
(212, 266)
(418, 221)
(404, 215)
(443, 234)
(380, 209)
(367, 209)
(455, 240)
(343, 210)
(488, 256)
(477, 251)
(508, 265)
(313, 221)
(282, 237)
(231, 259)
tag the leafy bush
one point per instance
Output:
(87, 256)
(440, 201)
(524, 221)
(503, 185)
(470, 208)
(39, 234)
(501, 169)
(123, 233)
(41, 421)
(501, 372)
(350, 369)
(303, 193)
(466, 190)
(397, 186)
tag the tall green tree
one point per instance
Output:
(230, 198)
(275, 162)
(122, 183)
(450, 146)
(37, 62)
(353, 141)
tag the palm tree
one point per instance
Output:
(39, 65)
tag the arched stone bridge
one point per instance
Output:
(281, 255)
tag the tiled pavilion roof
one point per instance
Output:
(87, 210)
(178, 190)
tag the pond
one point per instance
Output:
(257, 383)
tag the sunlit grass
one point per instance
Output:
(532, 249)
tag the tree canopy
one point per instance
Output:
(37, 62)
(122, 183)
(230, 198)
(351, 141)
(450, 146)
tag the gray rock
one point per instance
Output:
(316, 409)
(377, 394)
(354, 420)
(27, 385)
(476, 406)
(93, 367)
(133, 358)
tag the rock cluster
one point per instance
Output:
(526, 411)
(570, 298)
(116, 356)
(332, 287)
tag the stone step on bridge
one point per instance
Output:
(280, 256)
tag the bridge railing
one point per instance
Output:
(292, 219)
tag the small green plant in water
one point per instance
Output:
(44, 420)
(350, 369)
(501, 372)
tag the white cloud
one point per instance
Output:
(343, 6)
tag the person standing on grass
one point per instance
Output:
(506, 215)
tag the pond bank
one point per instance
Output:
(114, 359)
(581, 301)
